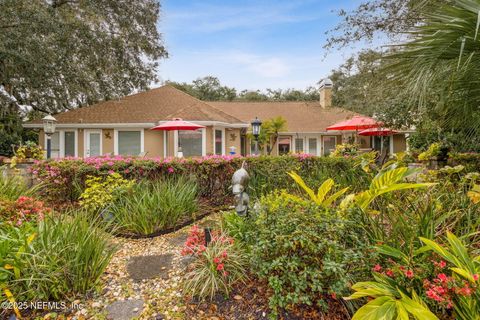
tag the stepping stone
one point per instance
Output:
(147, 267)
(179, 240)
(125, 310)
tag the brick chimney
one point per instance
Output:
(326, 86)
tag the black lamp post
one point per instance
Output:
(49, 124)
(256, 125)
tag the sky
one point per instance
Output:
(251, 44)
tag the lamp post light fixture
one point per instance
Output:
(49, 124)
(256, 126)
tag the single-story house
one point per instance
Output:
(122, 127)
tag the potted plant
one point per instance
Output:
(435, 156)
(26, 153)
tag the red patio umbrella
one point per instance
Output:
(377, 132)
(355, 124)
(177, 124)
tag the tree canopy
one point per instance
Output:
(210, 88)
(58, 55)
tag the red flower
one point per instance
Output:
(217, 260)
(409, 274)
(475, 277)
(377, 268)
(220, 267)
(390, 273)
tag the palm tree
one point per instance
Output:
(440, 66)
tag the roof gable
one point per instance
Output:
(151, 106)
(300, 116)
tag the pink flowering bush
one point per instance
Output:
(64, 179)
(216, 266)
(24, 209)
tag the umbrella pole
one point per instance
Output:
(381, 145)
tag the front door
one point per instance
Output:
(93, 143)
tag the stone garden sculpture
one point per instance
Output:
(240, 180)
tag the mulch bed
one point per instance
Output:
(250, 301)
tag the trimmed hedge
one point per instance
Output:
(64, 179)
(471, 161)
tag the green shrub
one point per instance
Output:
(216, 267)
(152, 206)
(101, 191)
(212, 173)
(471, 161)
(67, 257)
(237, 227)
(306, 252)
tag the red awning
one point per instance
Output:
(356, 123)
(377, 132)
(177, 124)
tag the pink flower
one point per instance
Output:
(220, 267)
(111, 172)
(171, 170)
(389, 273)
(475, 277)
(216, 260)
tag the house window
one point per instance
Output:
(129, 143)
(284, 145)
(218, 142)
(69, 141)
(312, 146)
(329, 143)
(55, 145)
(299, 145)
(190, 142)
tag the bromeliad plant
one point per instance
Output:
(216, 266)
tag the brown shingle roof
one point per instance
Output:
(300, 116)
(150, 106)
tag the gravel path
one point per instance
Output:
(123, 280)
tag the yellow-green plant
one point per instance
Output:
(432, 151)
(101, 191)
(474, 194)
(320, 198)
(388, 301)
(386, 182)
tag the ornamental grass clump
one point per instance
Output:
(67, 257)
(216, 267)
(154, 206)
(13, 187)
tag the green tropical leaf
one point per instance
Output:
(379, 308)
